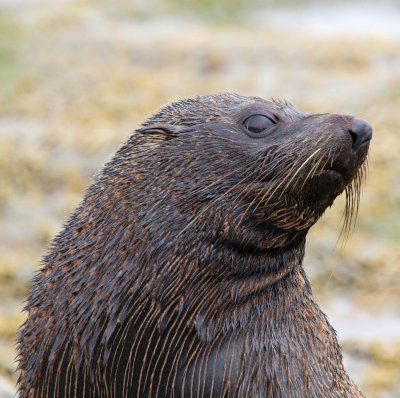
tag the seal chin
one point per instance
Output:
(325, 186)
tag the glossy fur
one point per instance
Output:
(180, 274)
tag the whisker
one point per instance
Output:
(260, 165)
(273, 165)
(270, 169)
(216, 200)
(350, 214)
(285, 172)
(312, 172)
(295, 174)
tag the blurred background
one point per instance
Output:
(77, 77)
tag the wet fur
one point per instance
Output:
(180, 274)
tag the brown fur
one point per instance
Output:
(180, 274)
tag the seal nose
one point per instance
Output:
(360, 131)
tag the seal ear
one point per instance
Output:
(160, 131)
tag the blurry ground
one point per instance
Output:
(77, 78)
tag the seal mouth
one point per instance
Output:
(339, 174)
(332, 174)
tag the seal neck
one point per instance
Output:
(242, 288)
(253, 272)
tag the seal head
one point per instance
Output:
(180, 273)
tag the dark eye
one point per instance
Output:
(257, 124)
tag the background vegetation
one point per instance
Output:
(77, 77)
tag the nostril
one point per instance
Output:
(354, 139)
(360, 132)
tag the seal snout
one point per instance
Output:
(360, 132)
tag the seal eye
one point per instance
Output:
(257, 124)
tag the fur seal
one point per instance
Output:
(180, 274)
